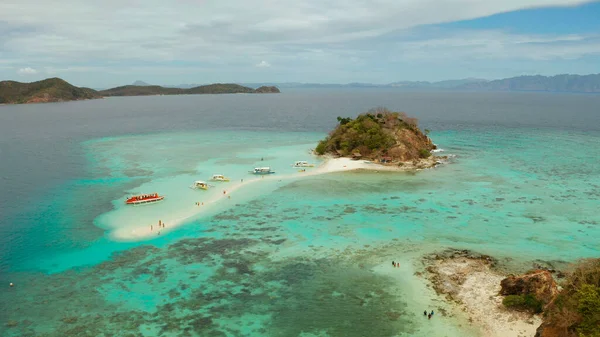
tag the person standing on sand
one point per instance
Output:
(431, 312)
(393, 263)
(425, 313)
(242, 180)
(429, 316)
(151, 228)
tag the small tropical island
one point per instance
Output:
(379, 135)
(59, 90)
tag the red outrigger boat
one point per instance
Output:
(144, 199)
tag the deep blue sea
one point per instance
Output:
(280, 257)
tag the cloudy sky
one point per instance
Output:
(107, 43)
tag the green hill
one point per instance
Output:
(48, 90)
(378, 134)
(267, 90)
(141, 90)
(218, 88)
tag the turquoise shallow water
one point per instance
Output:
(304, 256)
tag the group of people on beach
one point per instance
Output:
(396, 264)
(429, 315)
(160, 225)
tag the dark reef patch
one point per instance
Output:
(224, 284)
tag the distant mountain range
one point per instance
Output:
(558, 83)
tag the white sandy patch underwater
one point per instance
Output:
(183, 203)
(200, 161)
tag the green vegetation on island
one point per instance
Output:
(48, 90)
(380, 135)
(140, 90)
(218, 88)
(527, 302)
(570, 308)
(575, 311)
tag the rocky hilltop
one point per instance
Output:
(48, 90)
(378, 135)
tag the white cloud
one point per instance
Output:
(225, 34)
(263, 64)
(209, 31)
(27, 71)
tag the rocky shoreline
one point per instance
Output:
(473, 282)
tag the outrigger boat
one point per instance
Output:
(144, 199)
(200, 184)
(262, 170)
(219, 177)
(303, 163)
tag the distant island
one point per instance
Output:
(58, 90)
(145, 90)
(48, 90)
(380, 135)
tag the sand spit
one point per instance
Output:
(470, 280)
(132, 232)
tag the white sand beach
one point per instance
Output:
(475, 287)
(133, 232)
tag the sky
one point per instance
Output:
(107, 43)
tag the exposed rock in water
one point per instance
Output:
(538, 283)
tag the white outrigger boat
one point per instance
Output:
(262, 170)
(303, 163)
(219, 177)
(199, 184)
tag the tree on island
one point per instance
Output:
(378, 134)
